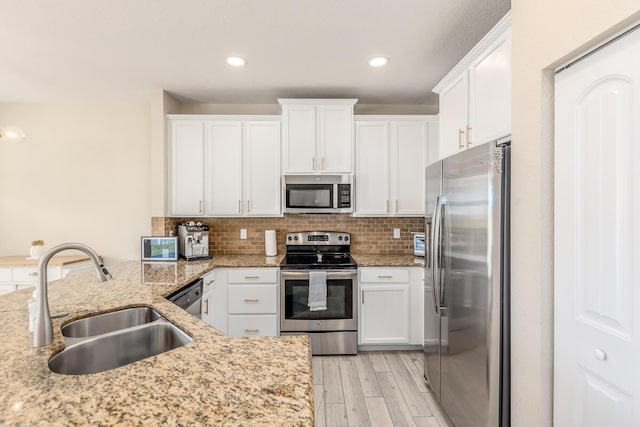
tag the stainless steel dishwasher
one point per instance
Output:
(188, 298)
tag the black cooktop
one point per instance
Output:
(318, 261)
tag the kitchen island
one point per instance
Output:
(214, 380)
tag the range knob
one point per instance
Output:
(295, 238)
(340, 238)
(346, 238)
(289, 238)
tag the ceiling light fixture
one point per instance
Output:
(11, 134)
(378, 61)
(236, 61)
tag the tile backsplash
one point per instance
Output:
(371, 236)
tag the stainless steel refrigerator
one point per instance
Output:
(466, 307)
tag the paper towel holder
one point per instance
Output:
(270, 243)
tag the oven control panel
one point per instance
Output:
(318, 238)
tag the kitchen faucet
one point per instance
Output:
(43, 327)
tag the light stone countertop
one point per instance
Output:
(24, 261)
(214, 380)
(388, 260)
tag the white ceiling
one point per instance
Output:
(83, 50)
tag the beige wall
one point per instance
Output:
(546, 33)
(82, 174)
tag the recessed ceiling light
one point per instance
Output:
(236, 61)
(378, 61)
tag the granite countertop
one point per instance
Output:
(388, 260)
(24, 261)
(214, 380)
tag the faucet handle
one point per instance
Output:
(104, 273)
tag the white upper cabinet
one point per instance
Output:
(262, 168)
(225, 165)
(391, 157)
(475, 97)
(223, 176)
(317, 135)
(186, 149)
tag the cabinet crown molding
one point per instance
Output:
(399, 117)
(322, 101)
(230, 117)
(502, 25)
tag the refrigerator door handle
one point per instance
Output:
(435, 255)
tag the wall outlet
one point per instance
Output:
(396, 233)
(243, 233)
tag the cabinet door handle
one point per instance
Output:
(200, 206)
(385, 277)
(248, 205)
(248, 331)
(251, 300)
(322, 161)
(239, 206)
(396, 206)
(386, 206)
(362, 291)
(460, 143)
(206, 306)
(251, 277)
(468, 136)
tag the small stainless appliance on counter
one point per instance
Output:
(333, 329)
(193, 241)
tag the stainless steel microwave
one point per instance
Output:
(318, 194)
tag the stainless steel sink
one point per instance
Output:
(109, 322)
(117, 339)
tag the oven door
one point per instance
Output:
(340, 315)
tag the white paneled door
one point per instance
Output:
(597, 239)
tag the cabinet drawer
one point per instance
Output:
(249, 299)
(254, 275)
(400, 275)
(25, 274)
(30, 274)
(5, 274)
(256, 326)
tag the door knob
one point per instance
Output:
(600, 354)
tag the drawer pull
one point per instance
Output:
(33, 274)
(251, 277)
(249, 331)
(362, 297)
(206, 306)
(251, 300)
(385, 277)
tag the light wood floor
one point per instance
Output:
(373, 389)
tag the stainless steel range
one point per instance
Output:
(334, 329)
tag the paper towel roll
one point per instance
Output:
(270, 246)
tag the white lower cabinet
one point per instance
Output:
(254, 325)
(390, 306)
(214, 300)
(242, 301)
(13, 278)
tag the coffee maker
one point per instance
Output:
(193, 241)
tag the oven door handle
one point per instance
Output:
(330, 274)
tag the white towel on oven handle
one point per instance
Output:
(317, 290)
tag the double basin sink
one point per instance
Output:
(107, 341)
